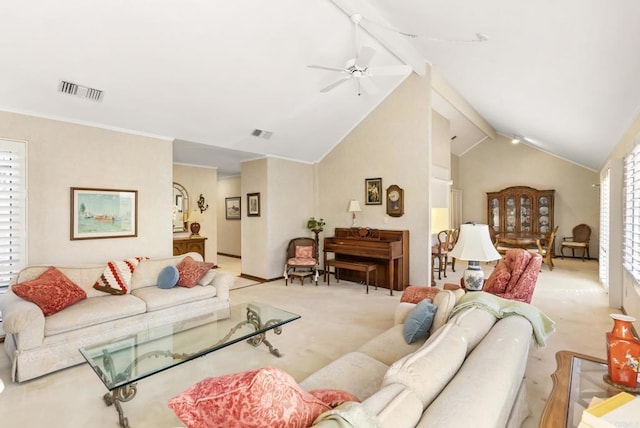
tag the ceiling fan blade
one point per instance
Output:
(336, 83)
(365, 54)
(390, 70)
(322, 67)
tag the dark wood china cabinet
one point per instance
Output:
(521, 210)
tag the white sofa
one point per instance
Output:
(38, 345)
(469, 372)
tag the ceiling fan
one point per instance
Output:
(358, 68)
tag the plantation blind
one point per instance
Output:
(12, 210)
(631, 241)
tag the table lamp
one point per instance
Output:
(195, 218)
(474, 245)
(354, 207)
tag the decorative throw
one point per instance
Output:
(52, 291)
(116, 277)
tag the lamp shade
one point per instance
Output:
(474, 243)
(439, 219)
(354, 206)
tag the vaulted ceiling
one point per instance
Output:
(564, 74)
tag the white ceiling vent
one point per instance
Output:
(80, 91)
(262, 134)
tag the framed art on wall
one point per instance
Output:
(373, 191)
(103, 213)
(232, 208)
(253, 204)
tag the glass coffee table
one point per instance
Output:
(577, 379)
(121, 363)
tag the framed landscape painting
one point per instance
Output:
(232, 208)
(103, 213)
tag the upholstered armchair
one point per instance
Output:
(515, 276)
(302, 253)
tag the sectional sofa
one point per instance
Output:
(37, 344)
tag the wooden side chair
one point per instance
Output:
(547, 251)
(440, 254)
(581, 234)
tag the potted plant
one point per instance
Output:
(315, 225)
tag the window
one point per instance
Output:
(631, 216)
(603, 263)
(12, 210)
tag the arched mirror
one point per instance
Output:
(180, 208)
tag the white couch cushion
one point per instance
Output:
(354, 372)
(476, 323)
(389, 346)
(157, 298)
(428, 370)
(148, 270)
(93, 311)
(487, 384)
(396, 406)
(445, 300)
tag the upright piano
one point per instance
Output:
(389, 249)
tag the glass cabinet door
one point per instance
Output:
(494, 217)
(510, 214)
(543, 215)
(525, 214)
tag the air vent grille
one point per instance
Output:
(80, 91)
(262, 134)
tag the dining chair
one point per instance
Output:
(302, 253)
(547, 252)
(581, 234)
(440, 253)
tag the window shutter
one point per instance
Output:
(604, 229)
(631, 240)
(12, 210)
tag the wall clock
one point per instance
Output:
(395, 201)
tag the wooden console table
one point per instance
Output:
(187, 245)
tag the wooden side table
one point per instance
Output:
(577, 379)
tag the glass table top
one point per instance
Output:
(131, 358)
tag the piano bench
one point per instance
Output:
(357, 266)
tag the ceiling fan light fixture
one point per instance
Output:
(516, 139)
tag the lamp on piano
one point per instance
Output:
(354, 207)
(474, 245)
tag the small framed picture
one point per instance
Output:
(373, 191)
(253, 204)
(232, 208)
(103, 213)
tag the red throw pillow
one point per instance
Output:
(52, 291)
(498, 280)
(333, 397)
(266, 397)
(417, 293)
(190, 271)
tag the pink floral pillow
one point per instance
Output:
(417, 293)
(266, 397)
(52, 291)
(333, 397)
(498, 280)
(304, 252)
(191, 271)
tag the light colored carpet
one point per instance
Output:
(335, 320)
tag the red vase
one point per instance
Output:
(623, 352)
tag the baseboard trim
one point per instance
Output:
(253, 278)
(230, 255)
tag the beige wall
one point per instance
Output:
(64, 155)
(201, 181)
(286, 202)
(229, 238)
(496, 164)
(393, 143)
(441, 160)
